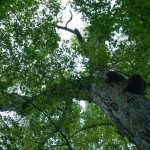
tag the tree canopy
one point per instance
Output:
(49, 100)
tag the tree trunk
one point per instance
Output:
(129, 112)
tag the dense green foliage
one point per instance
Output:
(35, 62)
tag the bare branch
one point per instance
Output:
(65, 28)
(78, 34)
(69, 19)
(93, 126)
(75, 31)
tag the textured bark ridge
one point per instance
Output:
(129, 112)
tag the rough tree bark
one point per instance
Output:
(129, 112)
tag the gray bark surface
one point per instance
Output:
(129, 112)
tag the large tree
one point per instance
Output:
(54, 104)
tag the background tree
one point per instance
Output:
(41, 85)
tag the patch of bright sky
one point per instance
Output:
(76, 21)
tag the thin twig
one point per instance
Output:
(69, 19)
(93, 126)
(59, 130)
